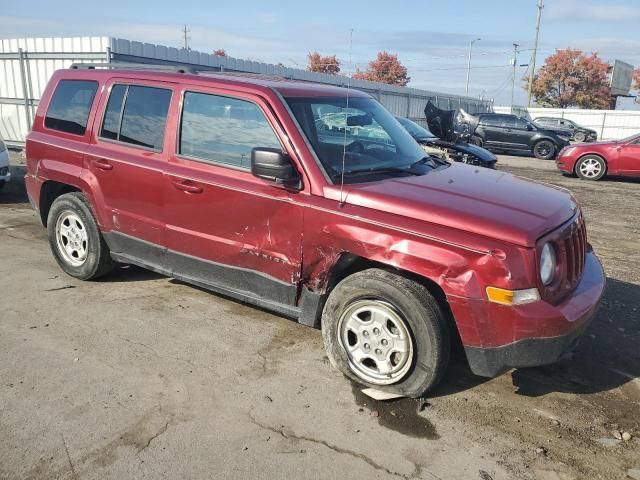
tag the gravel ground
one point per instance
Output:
(140, 376)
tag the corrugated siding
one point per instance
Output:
(40, 58)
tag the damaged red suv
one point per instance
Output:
(311, 201)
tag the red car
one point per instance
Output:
(314, 202)
(592, 161)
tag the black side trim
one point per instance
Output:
(529, 352)
(241, 284)
(311, 305)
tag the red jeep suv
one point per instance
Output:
(314, 202)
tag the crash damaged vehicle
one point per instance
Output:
(240, 184)
(455, 150)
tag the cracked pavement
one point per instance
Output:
(139, 376)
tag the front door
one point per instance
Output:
(126, 159)
(629, 158)
(227, 229)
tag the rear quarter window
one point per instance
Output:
(70, 106)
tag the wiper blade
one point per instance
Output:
(373, 171)
(429, 160)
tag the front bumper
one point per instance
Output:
(540, 333)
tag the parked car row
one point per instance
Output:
(240, 184)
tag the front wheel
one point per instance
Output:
(579, 137)
(475, 140)
(544, 150)
(75, 240)
(591, 167)
(387, 332)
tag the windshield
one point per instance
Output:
(629, 139)
(415, 130)
(372, 141)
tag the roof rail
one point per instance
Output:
(134, 66)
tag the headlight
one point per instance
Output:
(547, 264)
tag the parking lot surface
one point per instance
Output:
(141, 376)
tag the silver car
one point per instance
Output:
(5, 172)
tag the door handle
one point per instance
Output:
(102, 164)
(187, 186)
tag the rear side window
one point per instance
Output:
(70, 105)
(223, 130)
(491, 121)
(137, 115)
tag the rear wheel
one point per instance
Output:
(75, 240)
(591, 167)
(387, 332)
(544, 149)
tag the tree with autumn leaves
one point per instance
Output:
(328, 64)
(386, 68)
(569, 78)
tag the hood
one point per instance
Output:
(448, 125)
(486, 202)
(440, 122)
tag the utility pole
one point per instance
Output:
(185, 33)
(532, 63)
(513, 80)
(466, 91)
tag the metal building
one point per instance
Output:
(27, 64)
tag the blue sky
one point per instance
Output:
(431, 38)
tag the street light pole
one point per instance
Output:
(534, 54)
(513, 80)
(466, 91)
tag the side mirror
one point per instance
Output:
(274, 165)
(529, 127)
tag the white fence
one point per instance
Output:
(27, 64)
(610, 124)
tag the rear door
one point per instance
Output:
(127, 157)
(490, 130)
(227, 229)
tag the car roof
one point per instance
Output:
(239, 80)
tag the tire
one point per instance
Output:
(409, 318)
(579, 137)
(75, 240)
(475, 140)
(544, 150)
(591, 167)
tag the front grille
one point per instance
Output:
(572, 249)
(570, 244)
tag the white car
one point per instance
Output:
(5, 172)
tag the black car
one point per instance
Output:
(457, 150)
(578, 133)
(510, 132)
